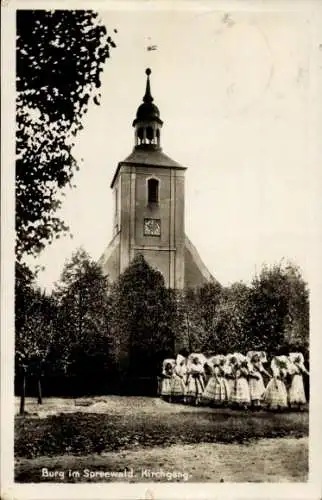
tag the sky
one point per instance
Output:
(235, 94)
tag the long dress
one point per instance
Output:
(240, 394)
(166, 386)
(216, 390)
(275, 395)
(195, 385)
(178, 388)
(296, 392)
(229, 379)
(167, 373)
(256, 384)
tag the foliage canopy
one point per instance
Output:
(60, 58)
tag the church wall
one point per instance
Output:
(125, 217)
(172, 253)
(117, 201)
(179, 229)
(159, 211)
(193, 275)
(170, 210)
(158, 260)
(111, 266)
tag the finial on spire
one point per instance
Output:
(148, 97)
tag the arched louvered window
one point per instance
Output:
(153, 191)
(140, 135)
(149, 134)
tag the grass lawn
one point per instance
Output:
(112, 433)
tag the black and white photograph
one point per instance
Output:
(163, 190)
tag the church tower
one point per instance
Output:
(149, 197)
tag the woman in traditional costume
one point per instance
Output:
(296, 393)
(263, 357)
(216, 390)
(275, 396)
(195, 377)
(208, 369)
(228, 370)
(222, 365)
(240, 395)
(167, 374)
(255, 380)
(178, 381)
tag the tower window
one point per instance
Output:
(153, 191)
(140, 135)
(149, 133)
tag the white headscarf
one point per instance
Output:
(263, 356)
(180, 359)
(254, 360)
(228, 357)
(241, 358)
(222, 359)
(167, 362)
(278, 363)
(218, 360)
(196, 362)
(297, 359)
(180, 365)
(227, 368)
(213, 360)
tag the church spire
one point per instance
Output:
(148, 97)
(147, 122)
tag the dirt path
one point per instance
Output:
(115, 405)
(267, 460)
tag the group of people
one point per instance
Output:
(235, 380)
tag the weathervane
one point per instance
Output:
(151, 47)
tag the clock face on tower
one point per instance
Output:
(152, 227)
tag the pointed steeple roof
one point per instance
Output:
(147, 96)
(147, 111)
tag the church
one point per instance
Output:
(149, 200)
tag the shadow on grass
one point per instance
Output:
(81, 434)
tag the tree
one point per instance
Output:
(24, 292)
(208, 297)
(279, 309)
(196, 312)
(214, 318)
(143, 319)
(189, 330)
(82, 342)
(60, 58)
(34, 325)
(230, 327)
